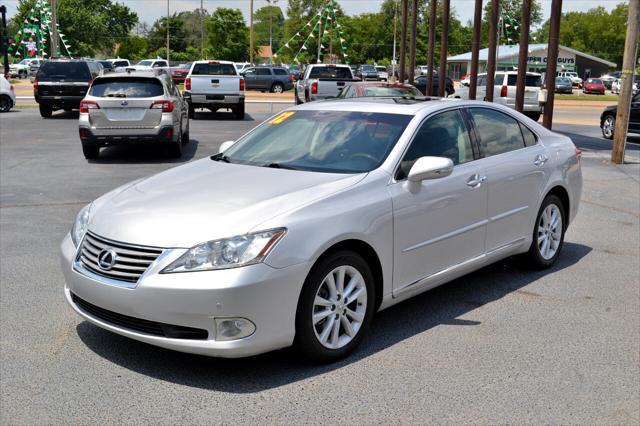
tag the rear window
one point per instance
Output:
(391, 91)
(213, 69)
(330, 72)
(130, 87)
(280, 71)
(530, 80)
(64, 71)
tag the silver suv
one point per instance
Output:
(136, 106)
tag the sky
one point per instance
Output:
(150, 10)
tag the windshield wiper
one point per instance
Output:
(221, 157)
(280, 166)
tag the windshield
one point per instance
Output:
(390, 91)
(24, 62)
(572, 74)
(145, 63)
(594, 81)
(368, 68)
(563, 80)
(323, 141)
(381, 68)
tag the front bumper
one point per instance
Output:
(266, 296)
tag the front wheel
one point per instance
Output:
(608, 126)
(548, 234)
(336, 307)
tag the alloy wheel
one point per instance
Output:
(608, 126)
(339, 307)
(549, 231)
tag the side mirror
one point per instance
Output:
(225, 145)
(427, 168)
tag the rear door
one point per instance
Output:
(263, 78)
(517, 168)
(126, 103)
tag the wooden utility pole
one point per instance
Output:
(251, 32)
(201, 29)
(444, 46)
(54, 28)
(403, 42)
(493, 39)
(414, 40)
(628, 66)
(432, 41)
(475, 49)
(552, 61)
(523, 55)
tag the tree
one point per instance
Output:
(191, 21)
(511, 10)
(91, 26)
(597, 32)
(227, 35)
(133, 48)
(266, 20)
(177, 34)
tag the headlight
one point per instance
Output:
(227, 253)
(80, 226)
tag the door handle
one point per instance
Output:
(540, 159)
(476, 180)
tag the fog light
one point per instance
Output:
(233, 328)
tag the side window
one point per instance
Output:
(278, 71)
(529, 138)
(249, 71)
(499, 133)
(443, 135)
(263, 71)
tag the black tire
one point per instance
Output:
(239, 112)
(5, 103)
(192, 112)
(533, 258)
(91, 152)
(277, 88)
(535, 116)
(306, 341)
(175, 149)
(295, 97)
(608, 126)
(185, 134)
(45, 110)
(22, 74)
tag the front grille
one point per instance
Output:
(130, 262)
(140, 325)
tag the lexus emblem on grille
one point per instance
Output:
(124, 103)
(106, 259)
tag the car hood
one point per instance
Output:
(206, 200)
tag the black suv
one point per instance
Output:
(62, 84)
(273, 79)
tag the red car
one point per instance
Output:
(378, 88)
(593, 85)
(179, 74)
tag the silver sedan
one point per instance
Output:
(304, 228)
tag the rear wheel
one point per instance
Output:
(277, 88)
(185, 134)
(608, 126)
(175, 149)
(192, 112)
(295, 97)
(5, 103)
(45, 110)
(548, 234)
(91, 152)
(238, 111)
(336, 307)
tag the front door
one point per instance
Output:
(634, 114)
(516, 168)
(250, 78)
(263, 78)
(444, 223)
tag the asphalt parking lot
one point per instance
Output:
(503, 345)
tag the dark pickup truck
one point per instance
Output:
(62, 84)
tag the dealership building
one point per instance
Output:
(507, 59)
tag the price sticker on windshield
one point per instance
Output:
(282, 117)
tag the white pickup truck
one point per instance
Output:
(322, 81)
(214, 85)
(145, 65)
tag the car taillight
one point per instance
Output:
(165, 106)
(503, 92)
(242, 84)
(187, 83)
(89, 83)
(314, 88)
(35, 84)
(290, 77)
(578, 152)
(85, 106)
